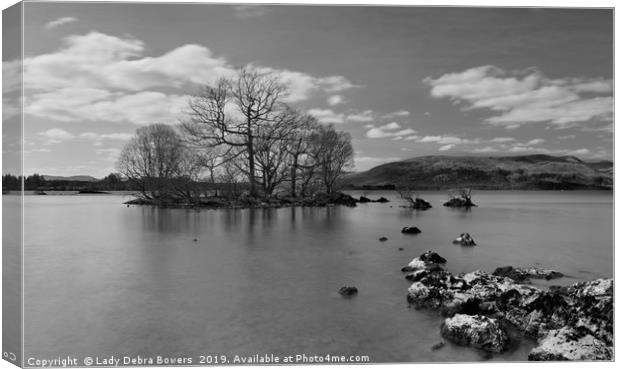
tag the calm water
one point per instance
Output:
(104, 279)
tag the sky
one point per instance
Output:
(403, 81)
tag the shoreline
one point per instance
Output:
(484, 310)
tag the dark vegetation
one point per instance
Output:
(37, 182)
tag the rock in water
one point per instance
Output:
(364, 199)
(348, 291)
(383, 239)
(411, 230)
(382, 199)
(432, 257)
(524, 274)
(438, 345)
(476, 331)
(428, 261)
(464, 240)
(421, 204)
(584, 310)
(458, 202)
(568, 344)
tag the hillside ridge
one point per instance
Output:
(527, 172)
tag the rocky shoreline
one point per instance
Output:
(568, 323)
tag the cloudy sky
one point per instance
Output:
(404, 81)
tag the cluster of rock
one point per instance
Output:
(364, 199)
(411, 230)
(569, 323)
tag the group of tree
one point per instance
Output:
(240, 135)
(38, 182)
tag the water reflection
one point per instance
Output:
(266, 280)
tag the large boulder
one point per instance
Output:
(411, 230)
(477, 331)
(348, 291)
(427, 260)
(420, 204)
(569, 344)
(525, 274)
(364, 199)
(592, 307)
(585, 309)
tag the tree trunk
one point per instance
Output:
(251, 175)
(294, 176)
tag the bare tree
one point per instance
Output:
(334, 154)
(298, 146)
(408, 194)
(232, 113)
(153, 157)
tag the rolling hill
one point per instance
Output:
(529, 172)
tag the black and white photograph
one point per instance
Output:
(208, 184)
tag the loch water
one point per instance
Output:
(103, 279)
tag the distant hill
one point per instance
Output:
(508, 172)
(71, 178)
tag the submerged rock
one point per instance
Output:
(458, 202)
(383, 239)
(524, 274)
(411, 230)
(477, 331)
(438, 345)
(348, 291)
(568, 344)
(464, 240)
(421, 204)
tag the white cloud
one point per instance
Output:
(56, 135)
(525, 96)
(60, 22)
(567, 137)
(485, 149)
(389, 130)
(84, 104)
(446, 147)
(106, 136)
(447, 140)
(327, 116)
(335, 100)
(578, 152)
(501, 139)
(536, 141)
(397, 114)
(101, 71)
(365, 116)
(392, 125)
